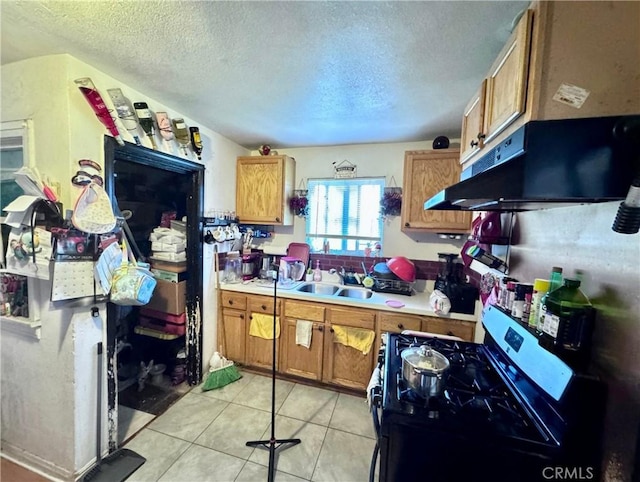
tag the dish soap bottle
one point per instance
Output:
(317, 273)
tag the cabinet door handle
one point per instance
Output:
(242, 317)
(481, 135)
(407, 225)
(320, 328)
(264, 307)
(230, 302)
(277, 220)
(401, 326)
(331, 330)
(474, 143)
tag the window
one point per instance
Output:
(346, 213)
(13, 152)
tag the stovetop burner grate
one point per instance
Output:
(473, 394)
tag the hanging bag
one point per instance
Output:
(93, 212)
(131, 284)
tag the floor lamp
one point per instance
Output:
(273, 444)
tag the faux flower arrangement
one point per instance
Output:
(391, 202)
(299, 204)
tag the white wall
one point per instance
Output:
(48, 385)
(372, 160)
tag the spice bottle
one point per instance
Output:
(520, 292)
(540, 288)
(510, 296)
(503, 293)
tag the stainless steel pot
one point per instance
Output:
(424, 370)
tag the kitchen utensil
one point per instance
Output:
(219, 235)
(291, 270)
(381, 270)
(233, 268)
(300, 251)
(425, 370)
(403, 268)
(250, 266)
(490, 228)
(466, 259)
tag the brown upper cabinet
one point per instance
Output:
(594, 46)
(264, 185)
(425, 174)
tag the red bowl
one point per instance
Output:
(403, 268)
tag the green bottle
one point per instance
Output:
(555, 282)
(568, 323)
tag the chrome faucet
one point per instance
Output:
(340, 273)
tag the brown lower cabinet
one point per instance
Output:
(345, 365)
(326, 360)
(295, 359)
(260, 350)
(232, 338)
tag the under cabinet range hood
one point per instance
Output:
(548, 164)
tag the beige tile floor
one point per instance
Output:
(202, 436)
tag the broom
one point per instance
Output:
(222, 372)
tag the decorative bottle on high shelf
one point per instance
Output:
(568, 324)
(146, 121)
(182, 134)
(196, 141)
(91, 94)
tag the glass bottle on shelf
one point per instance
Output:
(164, 126)
(182, 134)
(196, 141)
(93, 97)
(146, 121)
(125, 113)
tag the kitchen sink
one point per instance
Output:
(318, 288)
(328, 289)
(355, 293)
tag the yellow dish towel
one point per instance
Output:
(262, 326)
(358, 338)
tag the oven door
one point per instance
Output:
(415, 452)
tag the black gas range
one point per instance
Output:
(509, 410)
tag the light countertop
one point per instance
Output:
(417, 304)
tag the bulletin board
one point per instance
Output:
(74, 279)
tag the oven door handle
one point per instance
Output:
(375, 398)
(374, 412)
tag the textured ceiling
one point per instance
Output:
(291, 74)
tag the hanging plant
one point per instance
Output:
(299, 203)
(391, 202)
